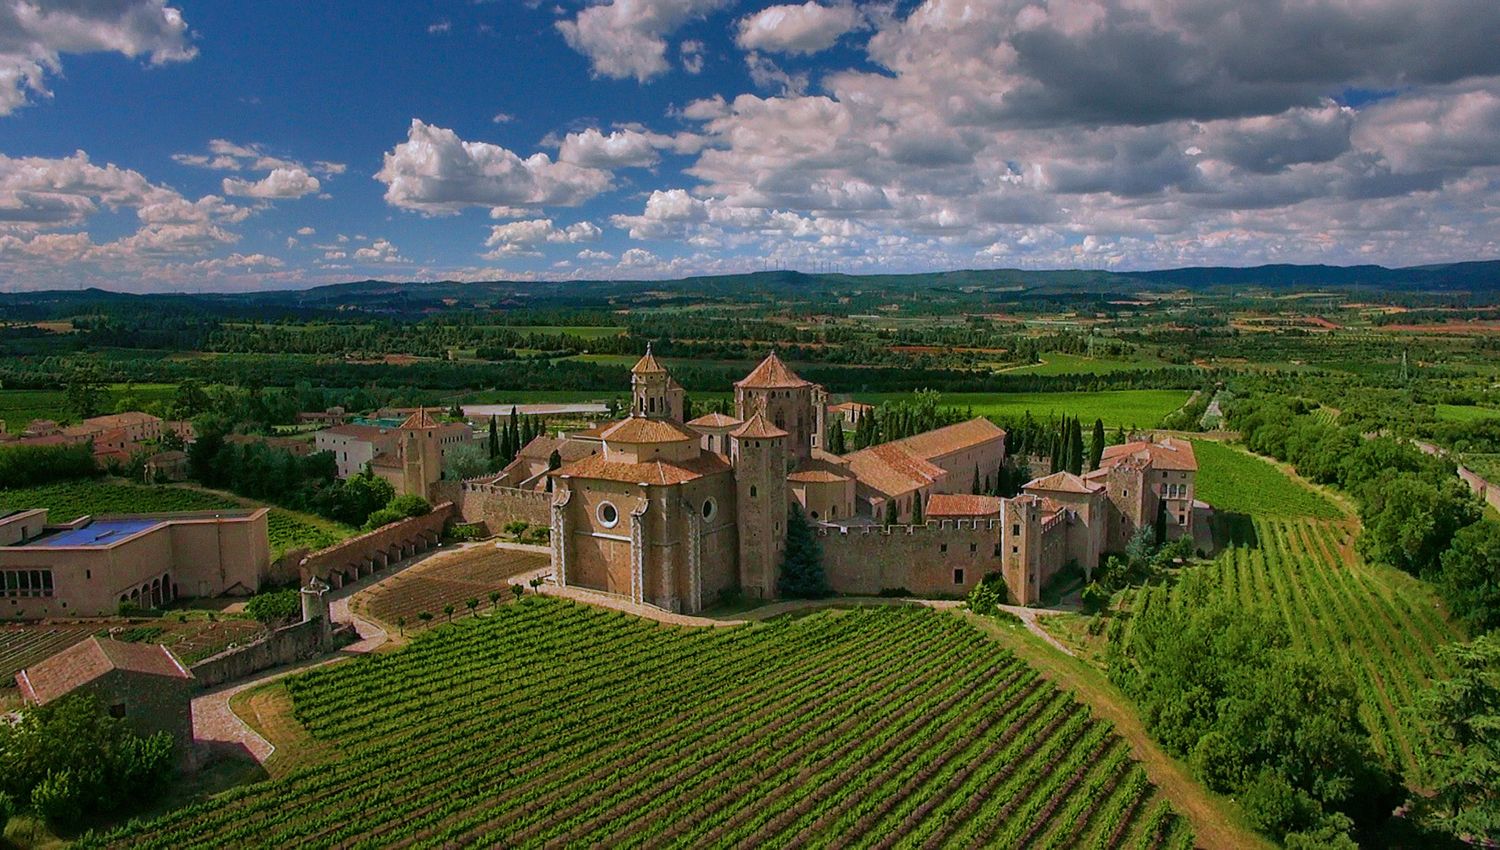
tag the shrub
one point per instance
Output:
(1094, 597)
(29, 466)
(275, 606)
(7, 808)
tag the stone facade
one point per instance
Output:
(675, 514)
(360, 556)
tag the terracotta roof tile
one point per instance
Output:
(715, 420)
(1170, 453)
(962, 504)
(757, 427)
(953, 438)
(1062, 482)
(659, 472)
(892, 469)
(772, 374)
(420, 419)
(84, 662)
(639, 429)
(818, 470)
(120, 420)
(648, 364)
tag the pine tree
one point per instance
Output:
(1096, 446)
(494, 439)
(802, 561)
(1075, 448)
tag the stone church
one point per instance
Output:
(677, 514)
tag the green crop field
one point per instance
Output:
(1236, 481)
(1055, 363)
(553, 723)
(1464, 413)
(1379, 625)
(18, 407)
(64, 502)
(1128, 408)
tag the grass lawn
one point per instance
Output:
(18, 407)
(1130, 408)
(1464, 413)
(1236, 481)
(287, 529)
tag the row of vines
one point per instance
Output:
(552, 723)
(1379, 625)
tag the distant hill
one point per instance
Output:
(406, 298)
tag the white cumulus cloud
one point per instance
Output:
(627, 38)
(808, 28)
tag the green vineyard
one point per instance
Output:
(553, 723)
(1379, 625)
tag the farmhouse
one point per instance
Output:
(142, 683)
(677, 514)
(92, 565)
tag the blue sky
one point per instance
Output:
(172, 144)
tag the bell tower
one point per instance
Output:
(758, 450)
(653, 393)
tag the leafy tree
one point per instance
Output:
(471, 603)
(988, 595)
(1094, 597)
(802, 561)
(28, 466)
(86, 391)
(190, 400)
(1469, 580)
(354, 499)
(1463, 713)
(536, 584)
(465, 460)
(70, 757)
(425, 617)
(401, 625)
(494, 596)
(1409, 521)
(448, 611)
(518, 591)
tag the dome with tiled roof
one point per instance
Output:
(772, 374)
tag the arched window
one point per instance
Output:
(752, 491)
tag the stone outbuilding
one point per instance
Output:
(142, 683)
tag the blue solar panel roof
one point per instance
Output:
(98, 533)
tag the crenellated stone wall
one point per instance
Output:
(941, 558)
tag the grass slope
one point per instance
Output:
(1237, 482)
(287, 529)
(555, 723)
(1380, 626)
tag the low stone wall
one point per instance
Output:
(285, 645)
(495, 505)
(1481, 487)
(362, 555)
(922, 559)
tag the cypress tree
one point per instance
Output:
(1056, 458)
(916, 508)
(890, 513)
(975, 487)
(1096, 446)
(1075, 448)
(494, 439)
(802, 561)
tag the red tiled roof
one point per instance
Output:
(772, 374)
(892, 469)
(647, 365)
(1062, 482)
(715, 420)
(756, 427)
(818, 470)
(659, 472)
(417, 421)
(120, 420)
(953, 438)
(639, 429)
(1170, 453)
(84, 662)
(542, 446)
(962, 504)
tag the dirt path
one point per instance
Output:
(1215, 822)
